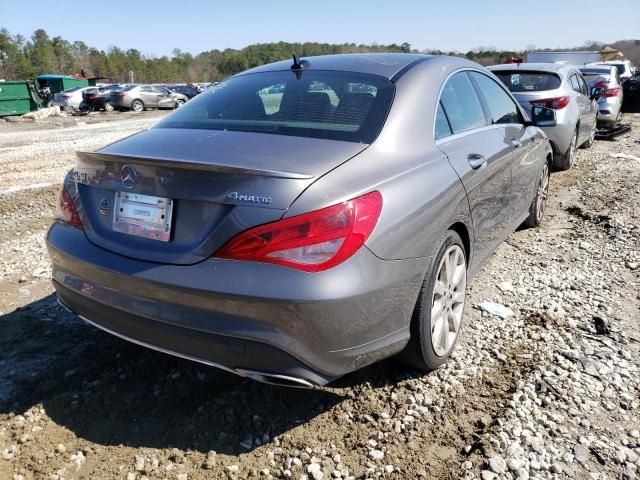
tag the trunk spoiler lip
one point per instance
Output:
(189, 165)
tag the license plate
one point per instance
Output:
(143, 216)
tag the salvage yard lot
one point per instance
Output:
(550, 391)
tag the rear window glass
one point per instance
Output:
(333, 105)
(592, 77)
(522, 81)
(621, 67)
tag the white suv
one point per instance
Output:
(624, 68)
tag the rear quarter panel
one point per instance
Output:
(422, 195)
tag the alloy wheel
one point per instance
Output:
(543, 191)
(447, 303)
(137, 106)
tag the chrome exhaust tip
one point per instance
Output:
(274, 378)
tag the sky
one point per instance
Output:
(157, 27)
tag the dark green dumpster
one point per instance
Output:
(15, 98)
(60, 83)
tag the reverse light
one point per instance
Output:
(557, 103)
(311, 242)
(66, 210)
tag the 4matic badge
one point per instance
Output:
(241, 197)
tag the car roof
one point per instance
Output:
(535, 67)
(384, 64)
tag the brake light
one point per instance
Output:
(66, 209)
(311, 242)
(121, 94)
(93, 96)
(601, 84)
(557, 103)
(611, 92)
(66, 97)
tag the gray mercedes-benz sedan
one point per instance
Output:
(303, 219)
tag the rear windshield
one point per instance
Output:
(522, 81)
(597, 71)
(620, 66)
(594, 76)
(318, 104)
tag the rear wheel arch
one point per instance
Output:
(461, 229)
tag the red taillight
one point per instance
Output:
(557, 103)
(66, 210)
(611, 92)
(313, 241)
(601, 84)
(93, 96)
(67, 97)
(121, 94)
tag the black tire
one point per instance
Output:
(536, 210)
(137, 105)
(566, 160)
(420, 352)
(108, 107)
(83, 109)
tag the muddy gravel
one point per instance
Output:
(551, 391)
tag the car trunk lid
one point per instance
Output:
(218, 182)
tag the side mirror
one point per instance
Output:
(596, 93)
(543, 117)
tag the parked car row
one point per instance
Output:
(313, 217)
(134, 97)
(563, 89)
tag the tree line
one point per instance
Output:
(23, 58)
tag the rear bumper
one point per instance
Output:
(243, 316)
(609, 109)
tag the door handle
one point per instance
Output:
(515, 143)
(476, 160)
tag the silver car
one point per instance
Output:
(607, 78)
(561, 88)
(304, 219)
(71, 97)
(139, 97)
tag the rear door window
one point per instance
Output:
(461, 104)
(503, 109)
(575, 84)
(583, 86)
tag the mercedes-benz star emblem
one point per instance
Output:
(129, 176)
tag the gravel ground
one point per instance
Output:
(552, 391)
